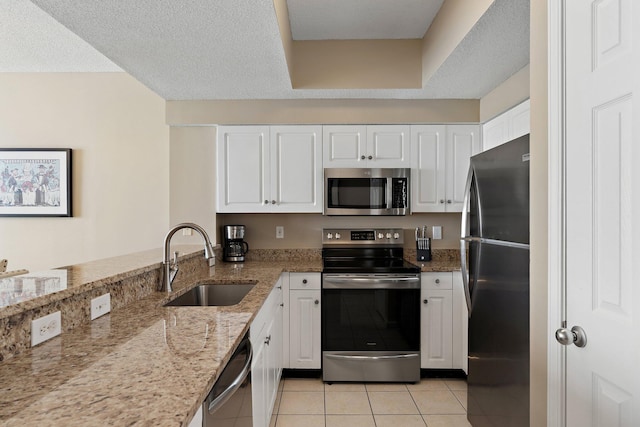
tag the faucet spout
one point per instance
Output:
(170, 269)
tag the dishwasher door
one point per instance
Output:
(229, 401)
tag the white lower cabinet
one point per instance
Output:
(266, 368)
(443, 329)
(303, 326)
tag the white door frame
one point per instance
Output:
(556, 353)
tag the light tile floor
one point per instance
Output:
(311, 403)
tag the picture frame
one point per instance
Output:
(35, 182)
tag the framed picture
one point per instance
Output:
(35, 182)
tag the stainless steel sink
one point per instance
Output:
(213, 295)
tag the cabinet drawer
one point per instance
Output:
(304, 280)
(437, 280)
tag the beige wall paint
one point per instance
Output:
(120, 143)
(193, 176)
(305, 230)
(357, 64)
(539, 212)
(510, 93)
(282, 15)
(319, 111)
(452, 23)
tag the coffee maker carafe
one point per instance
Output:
(234, 246)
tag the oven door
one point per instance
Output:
(371, 327)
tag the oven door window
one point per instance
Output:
(357, 193)
(371, 319)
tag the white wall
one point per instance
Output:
(193, 180)
(116, 128)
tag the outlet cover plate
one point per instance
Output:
(437, 232)
(100, 305)
(279, 232)
(45, 328)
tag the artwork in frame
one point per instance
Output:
(35, 182)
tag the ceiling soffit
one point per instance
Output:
(382, 61)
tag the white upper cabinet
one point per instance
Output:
(440, 162)
(507, 126)
(269, 169)
(374, 146)
(242, 168)
(296, 168)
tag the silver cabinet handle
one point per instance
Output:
(449, 201)
(370, 157)
(437, 280)
(441, 200)
(281, 304)
(575, 336)
(267, 340)
(273, 202)
(362, 157)
(425, 301)
(266, 202)
(304, 281)
(316, 302)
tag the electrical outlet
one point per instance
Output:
(437, 232)
(279, 232)
(45, 328)
(100, 305)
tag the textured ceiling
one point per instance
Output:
(361, 19)
(231, 49)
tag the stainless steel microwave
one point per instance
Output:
(363, 191)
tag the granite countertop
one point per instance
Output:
(142, 364)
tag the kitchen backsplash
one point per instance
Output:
(304, 231)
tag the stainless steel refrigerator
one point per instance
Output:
(495, 267)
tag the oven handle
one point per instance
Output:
(357, 282)
(361, 357)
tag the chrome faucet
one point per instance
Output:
(171, 267)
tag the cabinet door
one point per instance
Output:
(259, 385)
(519, 120)
(388, 146)
(435, 323)
(242, 168)
(296, 168)
(344, 146)
(304, 338)
(495, 132)
(460, 323)
(463, 141)
(428, 167)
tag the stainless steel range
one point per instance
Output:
(370, 307)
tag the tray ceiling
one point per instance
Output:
(232, 49)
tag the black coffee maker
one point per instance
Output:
(234, 247)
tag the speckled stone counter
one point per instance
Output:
(442, 260)
(142, 364)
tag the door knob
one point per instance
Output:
(575, 336)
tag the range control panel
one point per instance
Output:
(362, 236)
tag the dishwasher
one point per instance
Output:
(229, 401)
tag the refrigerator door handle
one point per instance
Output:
(463, 238)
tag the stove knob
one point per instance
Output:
(380, 236)
(388, 235)
(396, 235)
(337, 235)
(329, 236)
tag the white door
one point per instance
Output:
(428, 169)
(602, 207)
(296, 168)
(304, 329)
(242, 168)
(463, 141)
(344, 146)
(388, 146)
